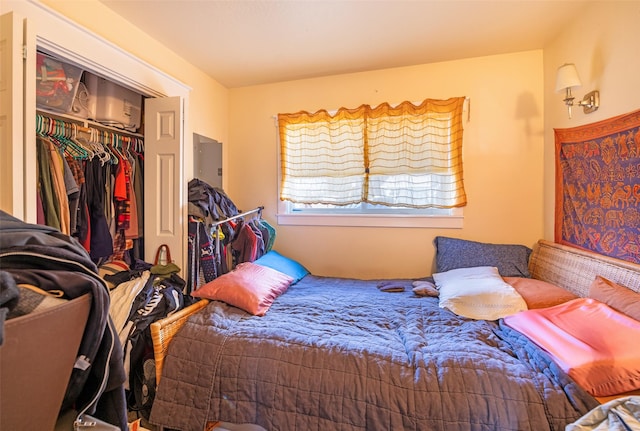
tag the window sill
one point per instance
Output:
(358, 220)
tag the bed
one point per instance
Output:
(347, 355)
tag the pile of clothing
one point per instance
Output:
(49, 261)
(142, 293)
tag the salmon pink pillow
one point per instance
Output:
(616, 296)
(538, 293)
(251, 287)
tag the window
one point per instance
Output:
(403, 160)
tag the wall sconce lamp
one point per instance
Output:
(566, 79)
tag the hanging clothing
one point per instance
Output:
(101, 243)
(201, 255)
(82, 223)
(271, 235)
(75, 199)
(57, 180)
(132, 232)
(138, 186)
(48, 195)
(78, 192)
(121, 194)
(246, 244)
(73, 194)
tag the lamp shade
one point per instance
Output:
(567, 77)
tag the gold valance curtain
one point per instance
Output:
(403, 156)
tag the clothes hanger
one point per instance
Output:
(54, 134)
(115, 145)
(98, 149)
(138, 147)
(89, 142)
(127, 147)
(40, 128)
(81, 143)
(59, 133)
(71, 147)
(104, 140)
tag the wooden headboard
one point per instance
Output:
(575, 269)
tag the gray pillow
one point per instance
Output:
(512, 260)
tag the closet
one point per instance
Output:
(90, 160)
(31, 27)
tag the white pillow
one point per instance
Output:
(478, 293)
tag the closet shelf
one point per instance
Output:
(87, 123)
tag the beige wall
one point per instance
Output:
(503, 159)
(604, 44)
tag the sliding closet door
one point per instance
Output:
(163, 219)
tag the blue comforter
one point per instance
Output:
(339, 354)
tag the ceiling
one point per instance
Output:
(249, 42)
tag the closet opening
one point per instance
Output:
(90, 159)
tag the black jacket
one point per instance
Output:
(208, 202)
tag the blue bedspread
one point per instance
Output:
(338, 354)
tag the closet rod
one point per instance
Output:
(87, 123)
(219, 222)
(215, 227)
